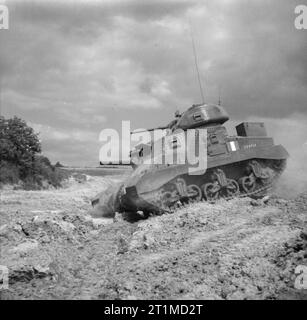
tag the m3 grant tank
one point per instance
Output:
(247, 164)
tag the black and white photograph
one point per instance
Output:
(153, 150)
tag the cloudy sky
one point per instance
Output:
(74, 68)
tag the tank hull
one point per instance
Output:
(152, 190)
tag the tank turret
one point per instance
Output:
(202, 115)
(199, 115)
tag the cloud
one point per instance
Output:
(71, 147)
(51, 133)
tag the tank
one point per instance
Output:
(245, 164)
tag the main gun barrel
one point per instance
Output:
(152, 129)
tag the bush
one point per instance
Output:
(45, 171)
(18, 144)
(20, 157)
(58, 165)
(9, 173)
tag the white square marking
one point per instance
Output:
(233, 146)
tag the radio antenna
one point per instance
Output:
(196, 63)
(0, 95)
(220, 97)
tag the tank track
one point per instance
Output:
(257, 178)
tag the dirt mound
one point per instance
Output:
(222, 251)
(238, 249)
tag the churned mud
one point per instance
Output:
(237, 249)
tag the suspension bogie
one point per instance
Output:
(251, 178)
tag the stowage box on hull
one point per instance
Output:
(251, 129)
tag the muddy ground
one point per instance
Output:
(237, 249)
